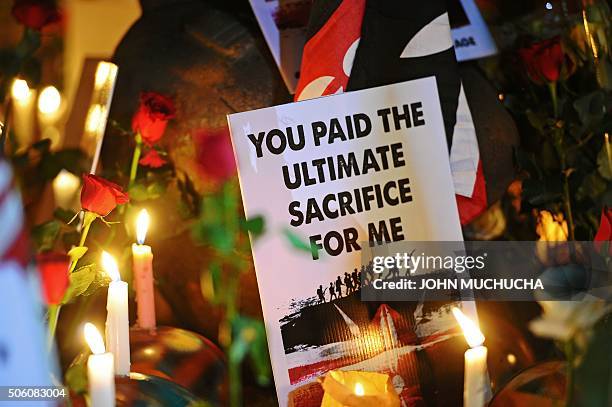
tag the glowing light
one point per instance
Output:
(95, 118)
(142, 226)
(20, 90)
(359, 390)
(511, 358)
(105, 72)
(548, 5)
(110, 266)
(49, 100)
(94, 339)
(470, 329)
(65, 187)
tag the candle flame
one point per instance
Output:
(20, 90)
(359, 390)
(94, 339)
(49, 100)
(470, 329)
(142, 225)
(110, 266)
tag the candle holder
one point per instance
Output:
(508, 353)
(540, 385)
(139, 389)
(183, 357)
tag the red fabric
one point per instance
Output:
(470, 208)
(19, 250)
(604, 233)
(324, 53)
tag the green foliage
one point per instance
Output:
(250, 341)
(604, 162)
(76, 374)
(218, 224)
(255, 226)
(76, 253)
(299, 243)
(85, 281)
(593, 373)
(64, 215)
(45, 235)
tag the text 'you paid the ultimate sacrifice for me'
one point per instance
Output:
(336, 167)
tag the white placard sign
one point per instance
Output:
(338, 171)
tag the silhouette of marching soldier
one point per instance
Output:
(348, 282)
(370, 272)
(321, 294)
(356, 279)
(332, 293)
(339, 287)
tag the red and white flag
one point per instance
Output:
(24, 359)
(354, 44)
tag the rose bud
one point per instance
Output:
(100, 196)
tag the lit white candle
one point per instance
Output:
(24, 100)
(142, 266)
(49, 114)
(117, 318)
(475, 384)
(100, 370)
(65, 188)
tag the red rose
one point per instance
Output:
(53, 269)
(35, 14)
(152, 116)
(152, 159)
(545, 61)
(101, 196)
(604, 234)
(214, 153)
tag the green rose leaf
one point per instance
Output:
(256, 226)
(76, 253)
(604, 162)
(297, 242)
(591, 107)
(76, 374)
(45, 235)
(138, 193)
(65, 215)
(80, 280)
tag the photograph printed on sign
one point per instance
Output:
(337, 171)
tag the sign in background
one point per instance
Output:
(283, 24)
